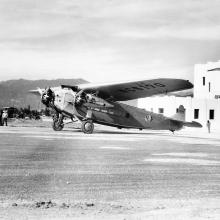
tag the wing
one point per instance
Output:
(136, 89)
(185, 93)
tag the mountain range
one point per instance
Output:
(14, 93)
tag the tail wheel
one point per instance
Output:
(57, 122)
(87, 127)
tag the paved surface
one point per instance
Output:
(110, 174)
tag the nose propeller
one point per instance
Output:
(47, 97)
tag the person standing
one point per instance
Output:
(0, 117)
(5, 118)
(208, 124)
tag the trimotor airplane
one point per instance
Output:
(102, 104)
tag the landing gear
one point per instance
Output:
(57, 122)
(172, 130)
(87, 126)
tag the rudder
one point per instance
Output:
(180, 115)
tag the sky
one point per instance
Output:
(107, 40)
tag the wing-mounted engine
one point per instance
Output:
(90, 98)
(83, 97)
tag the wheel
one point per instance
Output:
(57, 123)
(87, 127)
(57, 126)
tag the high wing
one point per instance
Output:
(136, 89)
(184, 93)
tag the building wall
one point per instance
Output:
(207, 88)
(170, 104)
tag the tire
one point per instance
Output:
(57, 126)
(87, 127)
(57, 123)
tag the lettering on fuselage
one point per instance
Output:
(107, 111)
(101, 110)
(142, 86)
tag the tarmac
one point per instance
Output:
(110, 174)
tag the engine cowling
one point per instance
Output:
(48, 97)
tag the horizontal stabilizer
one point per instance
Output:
(193, 124)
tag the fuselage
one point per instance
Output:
(124, 116)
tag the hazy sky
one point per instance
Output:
(106, 40)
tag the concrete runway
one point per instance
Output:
(111, 174)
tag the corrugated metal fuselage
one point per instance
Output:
(124, 116)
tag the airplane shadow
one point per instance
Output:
(168, 134)
(98, 131)
(127, 132)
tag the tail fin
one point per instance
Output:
(180, 115)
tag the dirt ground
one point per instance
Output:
(111, 174)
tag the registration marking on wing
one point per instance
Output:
(142, 86)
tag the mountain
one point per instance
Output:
(14, 93)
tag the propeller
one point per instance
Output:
(47, 97)
(37, 91)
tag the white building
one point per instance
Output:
(203, 106)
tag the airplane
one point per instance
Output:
(102, 104)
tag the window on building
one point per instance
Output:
(160, 110)
(211, 114)
(196, 113)
(203, 81)
(209, 86)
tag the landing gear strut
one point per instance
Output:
(172, 130)
(87, 126)
(57, 122)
